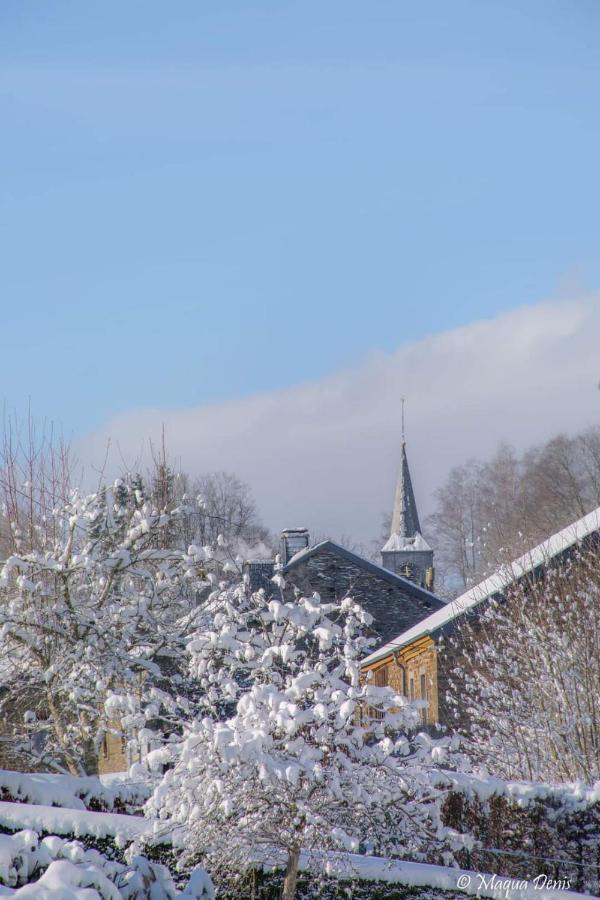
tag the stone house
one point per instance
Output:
(417, 660)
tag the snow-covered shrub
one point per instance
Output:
(55, 869)
(525, 676)
(290, 749)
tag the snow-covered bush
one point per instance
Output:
(290, 749)
(57, 869)
(525, 676)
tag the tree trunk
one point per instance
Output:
(291, 874)
(61, 736)
(89, 759)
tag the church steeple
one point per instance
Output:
(406, 552)
(405, 518)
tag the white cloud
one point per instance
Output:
(324, 454)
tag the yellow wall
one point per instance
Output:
(113, 753)
(405, 669)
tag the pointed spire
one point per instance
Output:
(406, 552)
(405, 518)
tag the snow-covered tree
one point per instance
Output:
(291, 748)
(526, 676)
(93, 623)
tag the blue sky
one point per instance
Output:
(201, 201)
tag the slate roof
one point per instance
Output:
(405, 518)
(409, 587)
(495, 584)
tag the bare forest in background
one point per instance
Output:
(487, 512)
(490, 512)
(38, 473)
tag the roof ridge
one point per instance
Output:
(411, 586)
(501, 578)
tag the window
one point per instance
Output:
(424, 696)
(411, 688)
(381, 677)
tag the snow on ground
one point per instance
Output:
(63, 880)
(479, 884)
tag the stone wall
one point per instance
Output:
(414, 564)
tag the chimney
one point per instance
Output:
(293, 540)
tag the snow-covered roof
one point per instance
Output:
(496, 583)
(399, 542)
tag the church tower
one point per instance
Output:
(406, 551)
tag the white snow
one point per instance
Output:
(63, 880)
(480, 884)
(70, 791)
(293, 742)
(70, 871)
(73, 822)
(573, 796)
(496, 583)
(397, 542)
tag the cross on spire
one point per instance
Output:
(402, 402)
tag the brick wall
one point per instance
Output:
(413, 672)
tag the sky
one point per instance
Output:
(204, 205)
(324, 454)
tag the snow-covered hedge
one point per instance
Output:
(333, 876)
(520, 829)
(71, 792)
(57, 869)
(115, 827)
